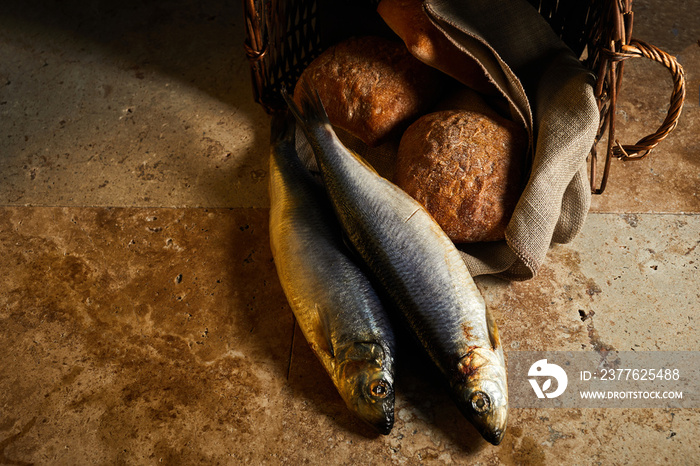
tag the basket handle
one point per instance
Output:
(636, 49)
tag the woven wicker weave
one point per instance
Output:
(284, 36)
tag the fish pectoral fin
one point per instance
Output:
(354, 254)
(352, 251)
(494, 338)
(325, 329)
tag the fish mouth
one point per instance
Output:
(385, 427)
(379, 415)
(485, 407)
(377, 407)
(494, 436)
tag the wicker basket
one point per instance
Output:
(283, 37)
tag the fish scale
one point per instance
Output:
(423, 286)
(418, 266)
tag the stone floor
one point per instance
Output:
(141, 318)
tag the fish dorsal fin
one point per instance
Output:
(364, 162)
(325, 327)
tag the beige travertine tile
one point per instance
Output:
(134, 332)
(121, 105)
(636, 274)
(144, 334)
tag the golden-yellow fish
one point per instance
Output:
(336, 308)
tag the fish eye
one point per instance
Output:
(379, 388)
(480, 401)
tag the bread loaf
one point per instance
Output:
(408, 20)
(372, 87)
(465, 168)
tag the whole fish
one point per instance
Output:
(420, 269)
(336, 308)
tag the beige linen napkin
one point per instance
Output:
(551, 93)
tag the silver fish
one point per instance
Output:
(334, 303)
(420, 269)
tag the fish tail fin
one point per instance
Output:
(312, 113)
(282, 128)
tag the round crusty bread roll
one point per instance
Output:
(465, 168)
(372, 87)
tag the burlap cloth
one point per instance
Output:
(551, 93)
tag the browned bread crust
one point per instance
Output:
(465, 168)
(408, 20)
(372, 87)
